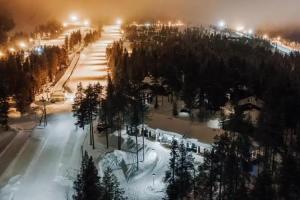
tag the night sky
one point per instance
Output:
(253, 13)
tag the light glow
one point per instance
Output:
(221, 24)
(278, 38)
(22, 45)
(119, 21)
(265, 37)
(74, 18)
(240, 28)
(12, 50)
(1, 54)
(86, 23)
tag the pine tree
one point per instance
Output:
(87, 186)
(289, 177)
(111, 187)
(185, 168)
(4, 106)
(170, 176)
(206, 179)
(263, 189)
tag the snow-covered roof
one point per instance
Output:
(251, 100)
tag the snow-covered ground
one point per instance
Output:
(146, 183)
(45, 166)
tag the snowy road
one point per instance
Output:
(46, 164)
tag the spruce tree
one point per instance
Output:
(4, 106)
(185, 170)
(111, 187)
(170, 177)
(206, 179)
(87, 186)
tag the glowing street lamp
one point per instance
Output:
(240, 28)
(119, 21)
(221, 24)
(1, 54)
(65, 24)
(250, 32)
(74, 18)
(278, 38)
(22, 45)
(12, 50)
(86, 23)
(265, 37)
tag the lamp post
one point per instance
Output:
(153, 176)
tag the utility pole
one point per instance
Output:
(137, 149)
(44, 113)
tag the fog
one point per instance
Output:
(251, 13)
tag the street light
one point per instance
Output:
(221, 24)
(147, 24)
(22, 45)
(1, 54)
(278, 38)
(153, 175)
(12, 50)
(240, 28)
(65, 24)
(265, 36)
(86, 23)
(250, 31)
(119, 21)
(74, 18)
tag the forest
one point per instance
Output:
(207, 70)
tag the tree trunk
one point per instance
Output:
(137, 151)
(106, 133)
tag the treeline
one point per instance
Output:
(206, 71)
(76, 38)
(91, 37)
(23, 76)
(7, 24)
(51, 28)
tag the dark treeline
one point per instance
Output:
(91, 37)
(76, 38)
(206, 71)
(52, 28)
(7, 24)
(22, 77)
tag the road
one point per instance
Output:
(46, 165)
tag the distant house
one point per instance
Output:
(251, 102)
(251, 107)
